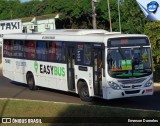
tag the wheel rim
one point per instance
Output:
(30, 82)
(85, 92)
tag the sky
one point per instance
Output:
(24, 0)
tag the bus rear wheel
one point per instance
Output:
(31, 82)
(84, 92)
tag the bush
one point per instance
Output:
(156, 74)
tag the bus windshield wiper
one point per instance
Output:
(120, 51)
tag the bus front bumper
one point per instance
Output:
(109, 93)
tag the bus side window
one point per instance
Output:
(87, 54)
(41, 50)
(30, 49)
(56, 52)
(8, 48)
(60, 52)
(52, 51)
(18, 49)
(63, 52)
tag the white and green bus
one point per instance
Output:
(91, 63)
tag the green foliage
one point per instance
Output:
(152, 29)
(133, 19)
(78, 13)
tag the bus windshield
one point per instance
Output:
(129, 62)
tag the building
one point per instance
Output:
(39, 23)
(28, 25)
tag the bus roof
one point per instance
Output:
(77, 32)
(80, 35)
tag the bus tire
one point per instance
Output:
(31, 82)
(84, 92)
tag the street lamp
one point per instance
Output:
(94, 13)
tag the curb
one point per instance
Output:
(0, 66)
(29, 100)
(156, 84)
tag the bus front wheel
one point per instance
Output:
(84, 92)
(31, 82)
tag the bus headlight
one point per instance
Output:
(114, 85)
(149, 83)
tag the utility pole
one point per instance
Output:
(11, 13)
(94, 15)
(119, 17)
(110, 23)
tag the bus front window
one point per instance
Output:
(129, 62)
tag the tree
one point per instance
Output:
(132, 18)
(78, 13)
(152, 29)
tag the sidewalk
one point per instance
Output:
(157, 84)
(1, 66)
(0, 69)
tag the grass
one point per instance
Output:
(22, 108)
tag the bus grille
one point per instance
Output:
(130, 86)
(132, 92)
(132, 81)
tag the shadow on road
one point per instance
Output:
(47, 89)
(141, 102)
(151, 102)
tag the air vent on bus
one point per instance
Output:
(132, 81)
(31, 27)
(75, 31)
(47, 26)
(130, 86)
(132, 92)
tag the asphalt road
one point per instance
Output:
(9, 89)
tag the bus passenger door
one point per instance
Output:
(70, 67)
(97, 68)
